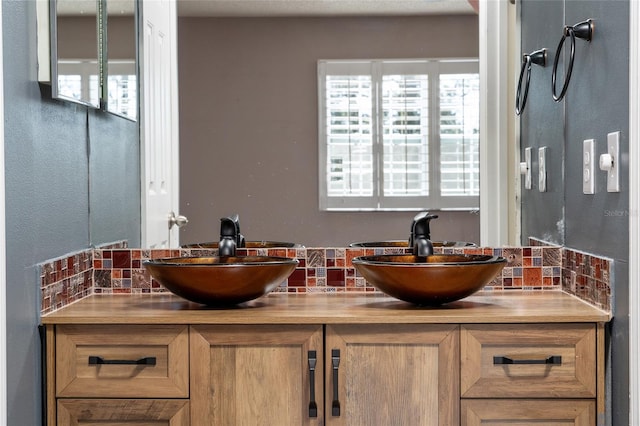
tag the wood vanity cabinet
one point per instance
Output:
(258, 374)
(529, 373)
(392, 374)
(134, 374)
(375, 375)
(323, 360)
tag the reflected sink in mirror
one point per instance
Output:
(405, 244)
(221, 281)
(429, 280)
(247, 244)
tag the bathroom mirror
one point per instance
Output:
(120, 84)
(252, 119)
(75, 52)
(299, 162)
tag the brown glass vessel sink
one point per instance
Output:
(247, 244)
(429, 280)
(226, 280)
(405, 244)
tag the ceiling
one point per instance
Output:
(292, 8)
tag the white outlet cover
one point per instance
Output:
(527, 160)
(542, 169)
(588, 167)
(613, 149)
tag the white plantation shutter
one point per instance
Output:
(349, 136)
(389, 140)
(405, 123)
(459, 135)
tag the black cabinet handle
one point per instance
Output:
(505, 360)
(313, 407)
(335, 363)
(98, 360)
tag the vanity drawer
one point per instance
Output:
(130, 361)
(123, 412)
(528, 361)
(576, 412)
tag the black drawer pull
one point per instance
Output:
(98, 360)
(505, 360)
(335, 362)
(313, 407)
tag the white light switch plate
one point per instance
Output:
(542, 169)
(588, 167)
(527, 160)
(613, 175)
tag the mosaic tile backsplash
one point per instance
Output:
(118, 269)
(588, 277)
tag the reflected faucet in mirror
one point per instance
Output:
(230, 236)
(420, 239)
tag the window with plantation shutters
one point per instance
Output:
(398, 134)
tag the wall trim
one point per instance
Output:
(634, 213)
(493, 28)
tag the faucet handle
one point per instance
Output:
(420, 224)
(230, 226)
(424, 215)
(420, 227)
(420, 240)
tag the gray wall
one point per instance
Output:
(54, 152)
(597, 103)
(248, 122)
(542, 123)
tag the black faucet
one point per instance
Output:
(230, 236)
(420, 239)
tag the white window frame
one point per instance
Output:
(377, 68)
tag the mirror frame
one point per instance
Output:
(48, 70)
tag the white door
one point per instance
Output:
(159, 122)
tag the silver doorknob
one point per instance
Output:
(178, 220)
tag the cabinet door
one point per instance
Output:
(392, 375)
(501, 412)
(256, 375)
(121, 412)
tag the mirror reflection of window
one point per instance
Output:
(78, 80)
(121, 76)
(460, 134)
(399, 134)
(122, 88)
(75, 43)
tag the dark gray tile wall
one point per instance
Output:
(596, 103)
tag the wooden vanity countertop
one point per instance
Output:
(332, 308)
